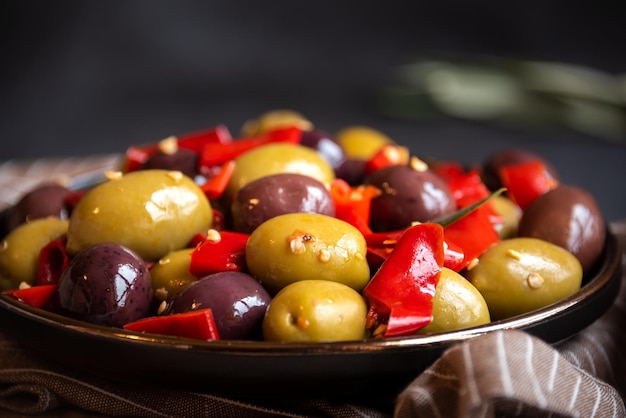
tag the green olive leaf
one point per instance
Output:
(453, 217)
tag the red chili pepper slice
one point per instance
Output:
(469, 188)
(53, 259)
(352, 203)
(526, 181)
(220, 251)
(216, 154)
(198, 324)
(36, 296)
(387, 155)
(400, 293)
(214, 186)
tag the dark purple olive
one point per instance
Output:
(183, 160)
(509, 156)
(569, 217)
(408, 195)
(43, 201)
(237, 300)
(325, 145)
(279, 194)
(352, 171)
(106, 284)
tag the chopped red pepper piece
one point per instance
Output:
(401, 292)
(469, 188)
(214, 186)
(198, 324)
(387, 155)
(352, 203)
(136, 156)
(448, 170)
(36, 296)
(526, 181)
(53, 259)
(220, 251)
(216, 154)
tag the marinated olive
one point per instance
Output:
(43, 201)
(519, 275)
(315, 311)
(106, 284)
(275, 159)
(457, 304)
(569, 217)
(361, 142)
(152, 212)
(183, 160)
(274, 119)
(408, 195)
(171, 273)
(326, 145)
(305, 246)
(510, 213)
(278, 194)
(19, 255)
(237, 300)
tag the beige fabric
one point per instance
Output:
(503, 374)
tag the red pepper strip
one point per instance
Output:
(220, 251)
(474, 233)
(448, 170)
(352, 203)
(387, 155)
(198, 324)
(36, 296)
(454, 256)
(216, 154)
(403, 288)
(526, 181)
(136, 155)
(469, 188)
(214, 187)
(53, 259)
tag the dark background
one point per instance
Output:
(90, 77)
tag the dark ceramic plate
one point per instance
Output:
(264, 369)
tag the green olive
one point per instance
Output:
(19, 255)
(274, 119)
(314, 311)
(278, 158)
(520, 275)
(306, 246)
(171, 273)
(361, 142)
(456, 305)
(511, 215)
(151, 212)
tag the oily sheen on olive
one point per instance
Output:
(569, 217)
(107, 284)
(279, 194)
(408, 195)
(509, 156)
(43, 201)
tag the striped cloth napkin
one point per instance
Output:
(502, 374)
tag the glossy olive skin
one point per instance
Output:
(41, 202)
(237, 300)
(152, 212)
(326, 146)
(275, 159)
(279, 194)
(171, 273)
(408, 195)
(183, 160)
(520, 275)
(361, 142)
(306, 246)
(508, 156)
(315, 311)
(569, 217)
(457, 304)
(106, 284)
(19, 253)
